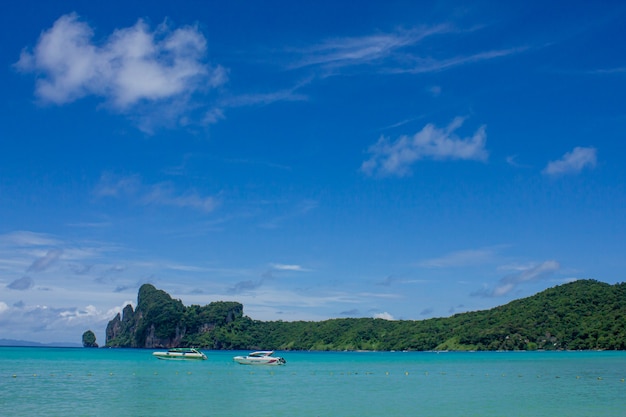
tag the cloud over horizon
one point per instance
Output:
(527, 274)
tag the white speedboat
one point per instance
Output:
(181, 354)
(262, 357)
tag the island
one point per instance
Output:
(581, 315)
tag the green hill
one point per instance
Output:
(584, 314)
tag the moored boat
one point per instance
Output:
(261, 357)
(181, 354)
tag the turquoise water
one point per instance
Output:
(127, 382)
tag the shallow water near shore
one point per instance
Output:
(131, 382)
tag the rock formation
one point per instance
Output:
(162, 322)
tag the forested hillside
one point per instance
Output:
(160, 321)
(585, 314)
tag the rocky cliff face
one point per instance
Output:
(162, 322)
(153, 341)
(121, 326)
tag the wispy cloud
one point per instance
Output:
(392, 280)
(28, 252)
(163, 194)
(434, 90)
(460, 258)
(420, 65)
(340, 52)
(288, 94)
(592, 72)
(394, 158)
(44, 262)
(273, 272)
(427, 311)
(26, 238)
(300, 209)
(21, 284)
(393, 52)
(286, 267)
(354, 312)
(617, 70)
(527, 274)
(572, 162)
(258, 99)
(246, 286)
(512, 161)
(133, 67)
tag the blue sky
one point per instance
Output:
(398, 159)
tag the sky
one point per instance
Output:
(311, 160)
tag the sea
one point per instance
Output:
(37, 381)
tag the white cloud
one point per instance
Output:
(51, 324)
(133, 66)
(284, 267)
(395, 158)
(573, 162)
(111, 313)
(3, 307)
(384, 316)
(83, 313)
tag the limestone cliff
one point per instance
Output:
(162, 322)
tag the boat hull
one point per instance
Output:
(259, 360)
(180, 355)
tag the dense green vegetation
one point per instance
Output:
(585, 314)
(89, 339)
(160, 321)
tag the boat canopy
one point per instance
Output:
(261, 353)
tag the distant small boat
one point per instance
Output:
(262, 357)
(181, 354)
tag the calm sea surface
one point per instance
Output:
(128, 382)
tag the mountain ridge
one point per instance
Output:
(584, 314)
